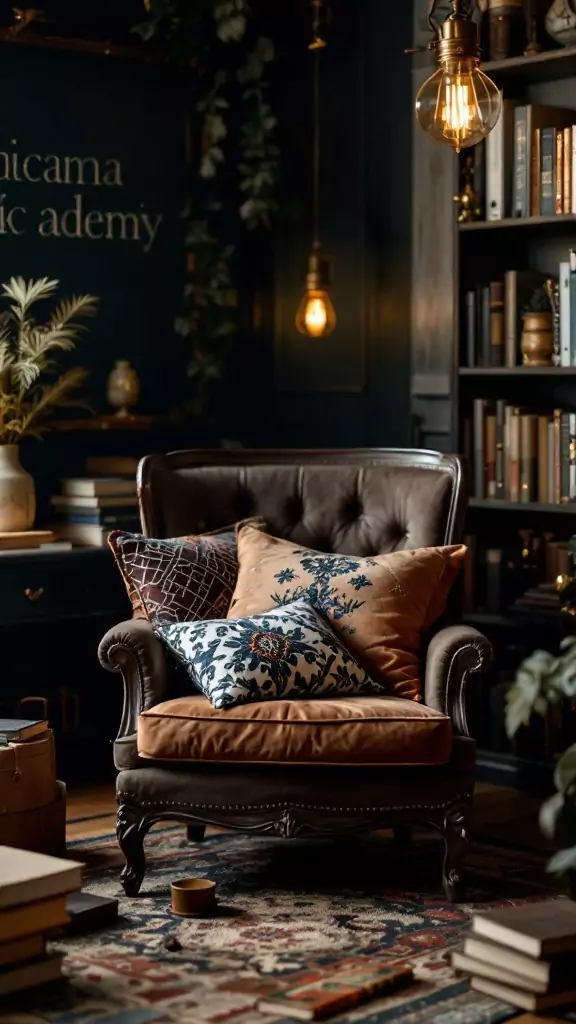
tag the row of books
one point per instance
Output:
(90, 507)
(520, 456)
(523, 955)
(493, 319)
(530, 162)
(517, 575)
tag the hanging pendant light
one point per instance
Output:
(458, 105)
(315, 316)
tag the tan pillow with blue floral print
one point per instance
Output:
(377, 606)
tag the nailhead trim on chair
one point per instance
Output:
(126, 797)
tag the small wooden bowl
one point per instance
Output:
(193, 896)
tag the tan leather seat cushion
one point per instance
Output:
(357, 730)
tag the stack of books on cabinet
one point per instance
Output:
(33, 897)
(90, 507)
(521, 456)
(523, 955)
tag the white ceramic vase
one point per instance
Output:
(17, 493)
(561, 22)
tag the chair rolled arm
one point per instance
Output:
(133, 649)
(453, 654)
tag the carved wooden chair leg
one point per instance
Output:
(403, 835)
(131, 829)
(195, 833)
(456, 841)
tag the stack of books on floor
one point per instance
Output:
(33, 894)
(523, 955)
(90, 507)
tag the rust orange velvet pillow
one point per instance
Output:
(377, 606)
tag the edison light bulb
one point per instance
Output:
(316, 316)
(458, 105)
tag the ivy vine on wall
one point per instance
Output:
(233, 157)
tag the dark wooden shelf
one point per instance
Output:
(538, 67)
(497, 505)
(559, 220)
(517, 371)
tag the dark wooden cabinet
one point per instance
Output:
(54, 609)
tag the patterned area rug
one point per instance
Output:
(283, 906)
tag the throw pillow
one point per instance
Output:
(287, 653)
(180, 579)
(378, 606)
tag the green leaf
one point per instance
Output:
(562, 861)
(565, 774)
(550, 813)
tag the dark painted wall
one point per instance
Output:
(353, 387)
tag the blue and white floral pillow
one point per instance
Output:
(288, 653)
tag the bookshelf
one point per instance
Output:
(449, 259)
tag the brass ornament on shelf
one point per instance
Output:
(469, 208)
(23, 17)
(123, 388)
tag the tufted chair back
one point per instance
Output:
(356, 501)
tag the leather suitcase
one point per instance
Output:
(41, 829)
(27, 776)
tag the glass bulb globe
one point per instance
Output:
(458, 105)
(316, 316)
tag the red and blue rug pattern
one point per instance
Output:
(284, 906)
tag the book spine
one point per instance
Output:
(535, 164)
(479, 408)
(478, 351)
(527, 458)
(565, 457)
(567, 171)
(486, 341)
(547, 171)
(520, 198)
(573, 207)
(572, 457)
(550, 493)
(511, 317)
(500, 475)
(559, 173)
(565, 315)
(555, 301)
(507, 428)
(490, 421)
(496, 323)
(480, 178)
(543, 459)
(572, 332)
(495, 188)
(557, 456)
(515, 455)
(471, 328)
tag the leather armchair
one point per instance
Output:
(191, 491)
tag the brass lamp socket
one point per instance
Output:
(319, 276)
(458, 41)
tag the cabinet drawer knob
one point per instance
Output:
(34, 593)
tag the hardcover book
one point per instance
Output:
(19, 730)
(320, 995)
(536, 929)
(530, 1001)
(537, 975)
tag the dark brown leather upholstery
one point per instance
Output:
(361, 502)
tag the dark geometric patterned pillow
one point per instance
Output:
(181, 579)
(288, 653)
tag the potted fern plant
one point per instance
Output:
(29, 391)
